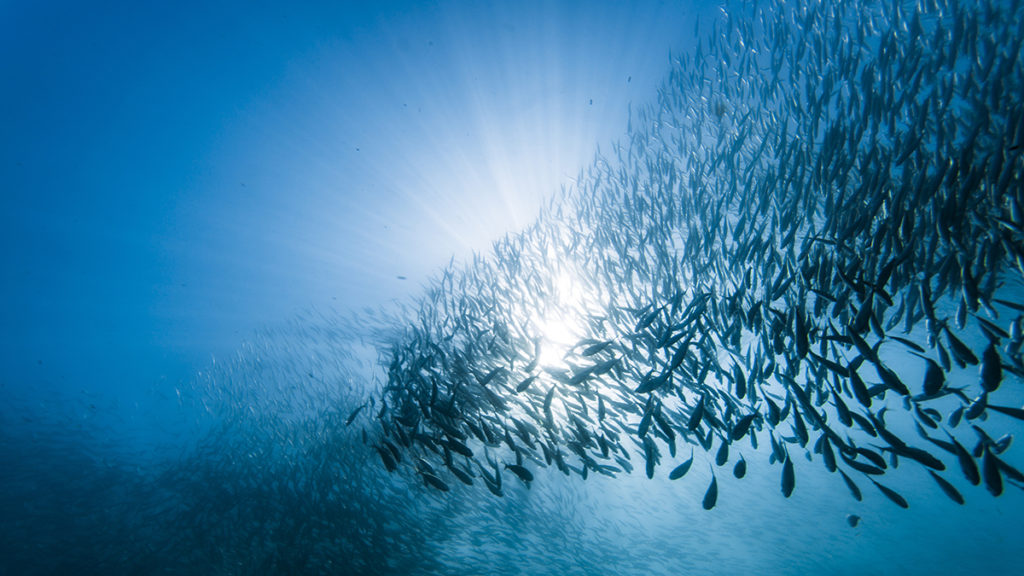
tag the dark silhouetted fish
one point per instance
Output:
(681, 470)
(711, 496)
(769, 251)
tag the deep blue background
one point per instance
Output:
(176, 175)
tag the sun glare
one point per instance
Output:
(560, 325)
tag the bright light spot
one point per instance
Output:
(560, 325)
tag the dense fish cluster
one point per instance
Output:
(813, 241)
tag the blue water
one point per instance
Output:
(214, 217)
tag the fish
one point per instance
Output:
(991, 369)
(977, 406)
(991, 473)
(681, 470)
(802, 342)
(934, 378)
(355, 413)
(788, 477)
(742, 426)
(387, 458)
(696, 416)
(723, 453)
(740, 469)
(458, 447)
(434, 482)
(827, 454)
(947, 488)
(891, 494)
(967, 463)
(860, 389)
(711, 495)
(525, 383)
(961, 352)
(854, 489)
(525, 475)
(1017, 413)
(596, 348)
(464, 476)
(775, 271)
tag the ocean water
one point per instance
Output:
(450, 288)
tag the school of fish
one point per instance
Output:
(813, 239)
(808, 250)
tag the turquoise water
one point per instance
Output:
(257, 256)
